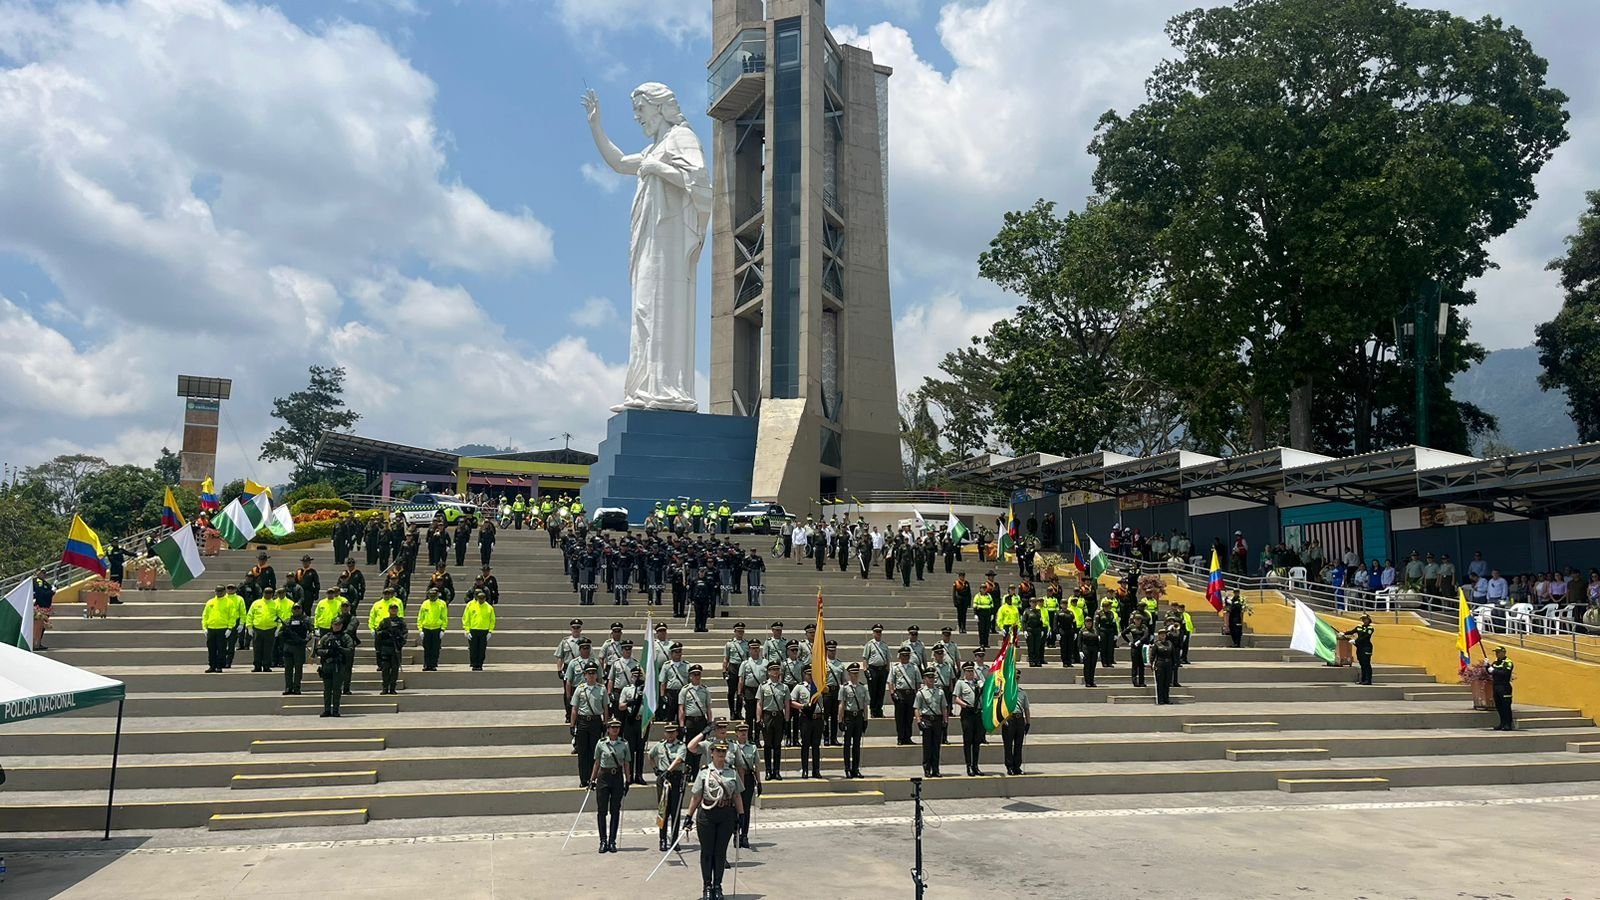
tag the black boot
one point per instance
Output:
(663, 843)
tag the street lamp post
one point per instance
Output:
(1420, 333)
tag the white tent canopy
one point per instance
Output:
(32, 685)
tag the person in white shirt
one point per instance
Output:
(1497, 589)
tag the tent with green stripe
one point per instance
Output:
(32, 686)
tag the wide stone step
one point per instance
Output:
(1275, 754)
(821, 799)
(1322, 785)
(1147, 698)
(345, 709)
(1214, 727)
(319, 745)
(1553, 721)
(295, 819)
(1583, 747)
(304, 779)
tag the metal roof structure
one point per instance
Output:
(563, 457)
(371, 455)
(1536, 485)
(1084, 472)
(1158, 474)
(1385, 479)
(975, 466)
(1256, 477)
(1023, 471)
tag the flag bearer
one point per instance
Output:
(718, 797)
(853, 709)
(966, 696)
(1500, 672)
(1015, 728)
(664, 756)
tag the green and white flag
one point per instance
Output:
(281, 523)
(647, 713)
(16, 616)
(239, 521)
(1311, 634)
(181, 557)
(958, 531)
(1098, 561)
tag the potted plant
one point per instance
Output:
(97, 595)
(1152, 586)
(147, 569)
(1476, 676)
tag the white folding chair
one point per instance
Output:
(1297, 577)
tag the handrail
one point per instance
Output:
(55, 571)
(944, 498)
(1557, 635)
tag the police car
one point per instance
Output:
(759, 517)
(421, 508)
(610, 518)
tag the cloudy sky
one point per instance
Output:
(407, 189)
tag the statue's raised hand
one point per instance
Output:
(591, 106)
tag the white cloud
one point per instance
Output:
(602, 177)
(678, 19)
(593, 313)
(215, 190)
(925, 332)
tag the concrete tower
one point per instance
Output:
(800, 322)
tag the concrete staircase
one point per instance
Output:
(228, 751)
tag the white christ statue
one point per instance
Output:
(671, 211)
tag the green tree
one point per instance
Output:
(964, 399)
(1057, 376)
(1299, 169)
(232, 489)
(170, 465)
(31, 533)
(306, 415)
(59, 483)
(120, 500)
(919, 439)
(1569, 344)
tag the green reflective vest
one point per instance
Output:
(983, 601)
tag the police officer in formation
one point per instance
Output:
(609, 779)
(875, 653)
(903, 687)
(629, 705)
(389, 641)
(334, 651)
(933, 717)
(1014, 729)
(772, 705)
(853, 713)
(586, 711)
(694, 707)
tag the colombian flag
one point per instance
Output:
(83, 548)
(170, 516)
(1214, 583)
(208, 496)
(1078, 561)
(252, 489)
(1467, 635)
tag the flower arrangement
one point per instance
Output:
(1152, 586)
(1476, 673)
(321, 515)
(146, 563)
(102, 586)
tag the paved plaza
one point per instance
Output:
(1516, 842)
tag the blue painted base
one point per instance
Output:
(650, 455)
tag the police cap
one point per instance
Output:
(591, 667)
(694, 669)
(832, 645)
(676, 646)
(738, 625)
(853, 667)
(616, 626)
(773, 665)
(575, 623)
(792, 645)
(777, 624)
(584, 642)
